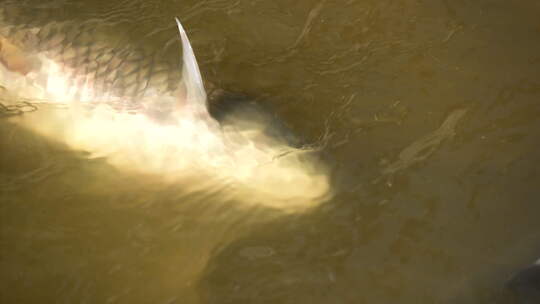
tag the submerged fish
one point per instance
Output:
(69, 62)
(66, 61)
(235, 141)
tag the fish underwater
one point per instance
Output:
(141, 113)
(126, 77)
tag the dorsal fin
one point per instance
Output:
(191, 75)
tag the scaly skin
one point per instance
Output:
(126, 77)
(13, 58)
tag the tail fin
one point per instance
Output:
(191, 75)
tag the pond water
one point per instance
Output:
(426, 115)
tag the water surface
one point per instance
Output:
(429, 117)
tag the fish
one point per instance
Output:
(146, 115)
(126, 77)
(66, 61)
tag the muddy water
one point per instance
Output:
(430, 118)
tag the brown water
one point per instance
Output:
(431, 111)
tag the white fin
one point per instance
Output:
(191, 76)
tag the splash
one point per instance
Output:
(260, 169)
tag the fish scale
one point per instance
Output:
(126, 72)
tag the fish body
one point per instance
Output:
(147, 115)
(67, 61)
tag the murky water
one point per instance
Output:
(429, 117)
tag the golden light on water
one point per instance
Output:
(263, 170)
